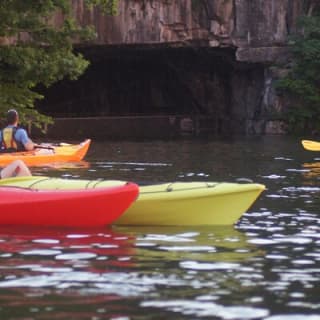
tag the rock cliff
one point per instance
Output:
(257, 28)
(211, 56)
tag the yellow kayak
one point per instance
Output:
(191, 203)
(311, 145)
(178, 203)
(46, 154)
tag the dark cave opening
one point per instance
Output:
(131, 81)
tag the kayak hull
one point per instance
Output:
(48, 154)
(191, 204)
(170, 204)
(67, 208)
(311, 145)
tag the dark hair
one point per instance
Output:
(12, 116)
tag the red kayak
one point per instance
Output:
(70, 208)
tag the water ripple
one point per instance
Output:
(207, 309)
(194, 265)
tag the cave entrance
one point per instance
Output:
(131, 81)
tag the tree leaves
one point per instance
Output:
(302, 85)
(34, 51)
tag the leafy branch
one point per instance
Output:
(36, 51)
(301, 86)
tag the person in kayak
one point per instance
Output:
(14, 138)
(16, 168)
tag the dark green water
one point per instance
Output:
(267, 266)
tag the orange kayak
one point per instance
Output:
(46, 154)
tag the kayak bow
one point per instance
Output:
(191, 203)
(81, 207)
(311, 145)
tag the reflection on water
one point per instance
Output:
(265, 267)
(113, 264)
(61, 166)
(202, 244)
(312, 170)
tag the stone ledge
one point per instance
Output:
(262, 54)
(125, 127)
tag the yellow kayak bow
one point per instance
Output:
(311, 145)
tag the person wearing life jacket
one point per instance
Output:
(16, 168)
(12, 137)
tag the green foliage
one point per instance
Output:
(110, 7)
(33, 52)
(302, 84)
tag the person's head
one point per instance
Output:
(12, 116)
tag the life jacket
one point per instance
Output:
(9, 142)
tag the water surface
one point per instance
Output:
(267, 266)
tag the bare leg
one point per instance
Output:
(16, 168)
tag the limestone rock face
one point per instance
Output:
(257, 28)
